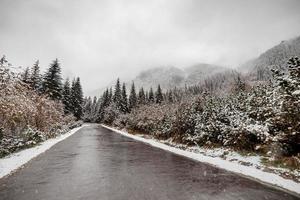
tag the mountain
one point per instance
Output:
(170, 77)
(259, 68)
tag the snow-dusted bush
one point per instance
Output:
(212, 123)
(111, 113)
(121, 121)
(26, 117)
(33, 136)
(154, 119)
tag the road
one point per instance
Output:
(96, 163)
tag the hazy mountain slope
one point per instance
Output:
(170, 77)
(167, 77)
(259, 68)
(198, 73)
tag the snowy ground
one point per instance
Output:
(13, 161)
(249, 166)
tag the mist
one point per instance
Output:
(102, 40)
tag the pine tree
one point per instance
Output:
(77, 98)
(170, 96)
(285, 123)
(159, 96)
(25, 75)
(142, 96)
(94, 110)
(87, 109)
(124, 102)
(52, 85)
(3, 61)
(132, 97)
(35, 77)
(146, 97)
(96, 115)
(239, 84)
(66, 97)
(106, 98)
(104, 104)
(110, 96)
(72, 96)
(151, 96)
(117, 95)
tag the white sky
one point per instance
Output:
(100, 40)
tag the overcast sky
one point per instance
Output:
(100, 40)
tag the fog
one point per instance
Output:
(105, 39)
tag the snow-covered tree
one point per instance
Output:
(52, 85)
(117, 97)
(286, 123)
(66, 97)
(124, 100)
(169, 96)
(111, 113)
(87, 109)
(35, 77)
(26, 75)
(132, 97)
(151, 98)
(158, 95)
(141, 96)
(77, 98)
(110, 95)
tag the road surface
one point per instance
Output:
(96, 163)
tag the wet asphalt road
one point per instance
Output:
(96, 163)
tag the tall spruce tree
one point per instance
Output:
(72, 96)
(142, 96)
(52, 85)
(77, 98)
(87, 109)
(170, 96)
(110, 96)
(146, 97)
(124, 101)
(35, 77)
(66, 97)
(106, 98)
(132, 97)
(104, 104)
(285, 123)
(26, 75)
(94, 110)
(159, 96)
(117, 95)
(151, 96)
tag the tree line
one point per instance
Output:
(116, 101)
(35, 106)
(51, 84)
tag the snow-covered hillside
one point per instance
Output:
(259, 68)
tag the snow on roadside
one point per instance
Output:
(13, 161)
(249, 171)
